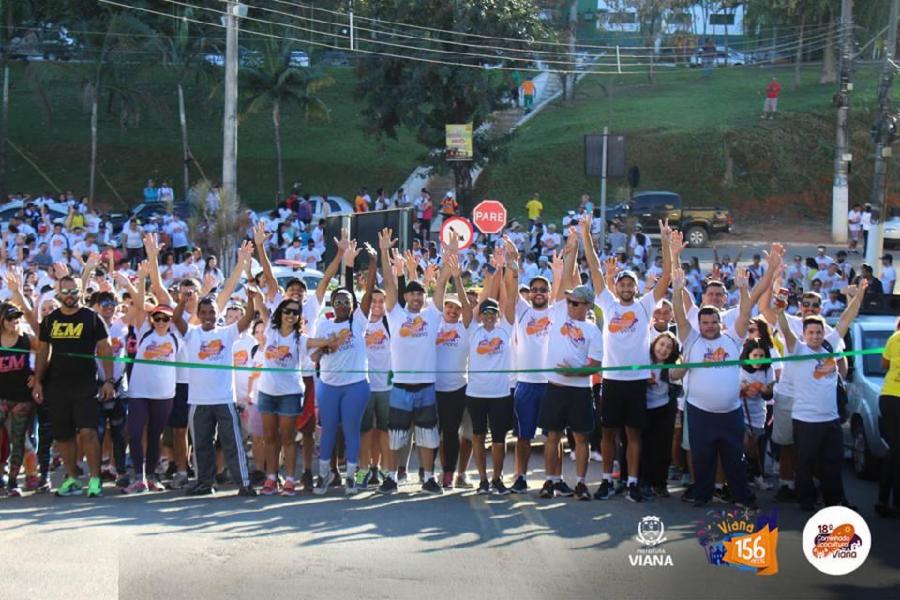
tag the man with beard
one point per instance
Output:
(72, 382)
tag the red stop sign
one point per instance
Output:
(489, 216)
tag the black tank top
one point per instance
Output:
(15, 369)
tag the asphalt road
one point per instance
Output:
(404, 546)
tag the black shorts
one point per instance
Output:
(624, 403)
(178, 418)
(565, 406)
(495, 414)
(72, 406)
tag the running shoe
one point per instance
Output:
(674, 473)
(44, 486)
(107, 474)
(722, 495)
(350, 487)
(270, 487)
(362, 479)
(123, 481)
(13, 491)
(223, 477)
(307, 481)
(336, 480)
(462, 482)
(257, 478)
(200, 489)
(69, 487)
(448, 481)
(373, 479)
(289, 488)
(562, 489)
(547, 490)
(32, 483)
(661, 490)
(604, 491)
(689, 494)
(388, 486)
(484, 488)
(596, 456)
(138, 487)
(322, 483)
(498, 488)
(401, 474)
(519, 486)
(760, 483)
(582, 492)
(95, 488)
(246, 491)
(785, 494)
(619, 488)
(431, 487)
(179, 481)
(634, 493)
(155, 485)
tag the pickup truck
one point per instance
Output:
(698, 224)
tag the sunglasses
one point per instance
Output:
(341, 303)
(290, 311)
(161, 319)
(68, 291)
(539, 290)
(810, 304)
(575, 303)
(108, 304)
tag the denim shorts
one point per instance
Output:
(284, 406)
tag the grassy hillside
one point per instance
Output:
(702, 138)
(325, 156)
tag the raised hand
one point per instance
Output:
(410, 262)
(350, 253)
(386, 239)
(13, 281)
(397, 262)
(259, 235)
(245, 253)
(716, 272)
(512, 253)
(556, 265)
(152, 245)
(143, 270)
(612, 267)
(572, 240)
(775, 256)
(498, 257)
(430, 275)
(585, 224)
(451, 261)
(676, 245)
(741, 279)
(370, 250)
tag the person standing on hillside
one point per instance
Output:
(770, 104)
(534, 207)
(528, 90)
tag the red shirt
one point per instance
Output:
(773, 89)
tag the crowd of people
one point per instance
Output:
(435, 348)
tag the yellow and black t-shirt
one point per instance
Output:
(77, 333)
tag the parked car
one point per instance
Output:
(734, 58)
(862, 438)
(336, 206)
(144, 211)
(892, 229)
(248, 58)
(43, 41)
(298, 58)
(698, 224)
(57, 210)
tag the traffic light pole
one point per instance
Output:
(840, 190)
(882, 139)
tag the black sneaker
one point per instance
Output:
(222, 478)
(604, 491)
(547, 490)
(722, 495)
(619, 488)
(562, 490)
(484, 488)
(388, 486)
(173, 468)
(582, 492)
(200, 489)
(337, 481)
(401, 474)
(498, 488)
(431, 487)
(123, 481)
(519, 486)
(307, 481)
(247, 491)
(688, 495)
(785, 494)
(257, 478)
(634, 493)
(373, 480)
(661, 490)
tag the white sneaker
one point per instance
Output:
(761, 483)
(571, 455)
(322, 483)
(350, 488)
(596, 457)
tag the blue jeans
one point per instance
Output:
(718, 434)
(341, 405)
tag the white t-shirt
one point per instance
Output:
(348, 364)
(118, 338)
(572, 343)
(156, 382)
(657, 390)
(626, 334)
(413, 340)
(310, 317)
(726, 317)
(532, 330)
(785, 384)
(378, 350)
(490, 356)
(213, 348)
(754, 404)
(282, 352)
(452, 354)
(888, 278)
(815, 382)
(243, 356)
(713, 389)
(854, 217)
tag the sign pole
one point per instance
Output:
(603, 191)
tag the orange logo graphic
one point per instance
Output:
(573, 333)
(717, 355)
(116, 344)
(156, 351)
(622, 323)
(446, 336)
(210, 349)
(491, 346)
(538, 326)
(824, 368)
(375, 338)
(414, 327)
(240, 358)
(278, 353)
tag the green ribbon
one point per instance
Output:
(567, 370)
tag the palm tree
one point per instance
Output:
(275, 84)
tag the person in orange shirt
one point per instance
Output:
(528, 93)
(449, 205)
(359, 204)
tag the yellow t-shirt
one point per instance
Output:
(892, 377)
(534, 208)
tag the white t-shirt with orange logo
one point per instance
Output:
(242, 356)
(490, 357)
(155, 382)
(626, 334)
(532, 334)
(413, 338)
(213, 348)
(378, 349)
(349, 363)
(282, 352)
(452, 347)
(573, 343)
(815, 382)
(713, 389)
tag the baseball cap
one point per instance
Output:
(543, 258)
(452, 299)
(489, 305)
(582, 293)
(626, 273)
(886, 256)
(414, 286)
(638, 227)
(12, 312)
(164, 309)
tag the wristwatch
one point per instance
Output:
(110, 381)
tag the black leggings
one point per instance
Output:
(116, 417)
(45, 438)
(819, 445)
(656, 444)
(451, 407)
(889, 423)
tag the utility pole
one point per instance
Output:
(840, 192)
(882, 136)
(230, 123)
(603, 189)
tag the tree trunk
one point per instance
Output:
(829, 65)
(276, 121)
(799, 57)
(569, 83)
(185, 148)
(462, 181)
(4, 117)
